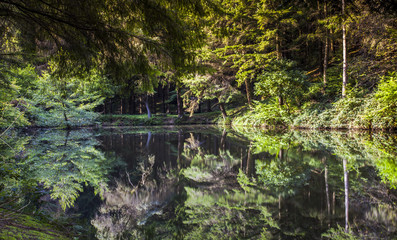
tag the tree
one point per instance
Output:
(57, 162)
(118, 37)
(67, 101)
(344, 74)
(207, 87)
(282, 80)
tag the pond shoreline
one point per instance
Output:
(210, 118)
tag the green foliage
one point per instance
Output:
(67, 101)
(15, 178)
(233, 215)
(11, 115)
(387, 167)
(282, 175)
(386, 96)
(339, 233)
(313, 115)
(58, 160)
(251, 33)
(206, 167)
(123, 38)
(206, 88)
(292, 156)
(64, 161)
(376, 111)
(281, 79)
(51, 101)
(264, 114)
(244, 181)
(347, 112)
(209, 87)
(13, 105)
(382, 149)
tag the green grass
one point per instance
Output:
(158, 119)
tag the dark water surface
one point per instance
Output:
(203, 182)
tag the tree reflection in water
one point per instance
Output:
(46, 171)
(203, 183)
(279, 185)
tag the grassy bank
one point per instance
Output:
(376, 110)
(158, 119)
(364, 113)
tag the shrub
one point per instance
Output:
(264, 114)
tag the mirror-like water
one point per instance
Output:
(198, 183)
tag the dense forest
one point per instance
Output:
(306, 63)
(70, 69)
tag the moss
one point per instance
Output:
(22, 226)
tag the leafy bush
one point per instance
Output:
(377, 110)
(12, 103)
(313, 115)
(339, 233)
(264, 114)
(385, 103)
(282, 80)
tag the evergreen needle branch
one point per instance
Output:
(12, 122)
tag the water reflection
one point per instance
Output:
(346, 183)
(60, 162)
(209, 183)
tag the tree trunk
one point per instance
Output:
(132, 104)
(223, 110)
(65, 117)
(121, 105)
(278, 46)
(180, 148)
(346, 180)
(250, 163)
(223, 140)
(344, 74)
(167, 92)
(149, 137)
(179, 102)
(140, 105)
(281, 154)
(153, 103)
(280, 100)
(127, 105)
(209, 106)
(327, 189)
(331, 44)
(279, 206)
(249, 91)
(163, 99)
(325, 64)
(149, 114)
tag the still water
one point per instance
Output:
(201, 182)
